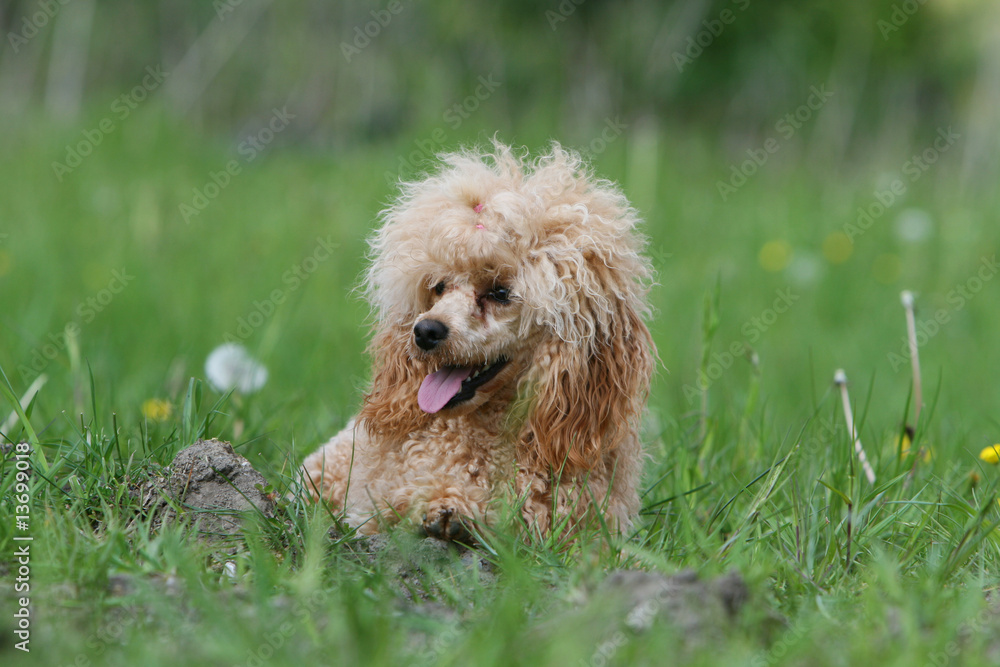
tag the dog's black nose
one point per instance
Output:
(429, 333)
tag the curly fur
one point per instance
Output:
(557, 426)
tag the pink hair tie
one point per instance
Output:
(477, 208)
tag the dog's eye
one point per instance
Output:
(500, 294)
(439, 288)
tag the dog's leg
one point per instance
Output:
(557, 505)
(326, 472)
(534, 491)
(564, 505)
(447, 519)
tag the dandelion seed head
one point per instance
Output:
(230, 367)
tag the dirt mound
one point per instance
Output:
(627, 603)
(698, 609)
(211, 485)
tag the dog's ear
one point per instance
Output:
(586, 286)
(586, 397)
(390, 409)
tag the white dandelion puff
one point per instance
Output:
(230, 366)
(914, 225)
(805, 268)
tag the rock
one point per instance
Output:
(121, 584)
(418, 563)
(212, 486)
(699, 611)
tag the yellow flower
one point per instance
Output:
(775, 255)
(157, 409)
(905, 444)
(991, 454)
(837, 248)
(887, 268)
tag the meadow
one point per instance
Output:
(120, 275)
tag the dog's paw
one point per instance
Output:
(445, 523)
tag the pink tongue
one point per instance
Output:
(440, 386)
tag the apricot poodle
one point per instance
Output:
(511, 360)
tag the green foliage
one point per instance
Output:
(112, 294)
(777, 495)
(737, 66)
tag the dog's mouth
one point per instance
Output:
(452, 385)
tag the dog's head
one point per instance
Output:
(499, 278)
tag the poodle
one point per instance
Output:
(510, 355)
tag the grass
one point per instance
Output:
(757, 473)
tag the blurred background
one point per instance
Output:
(175, 175)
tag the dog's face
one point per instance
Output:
(469, 336)
(498, 279)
